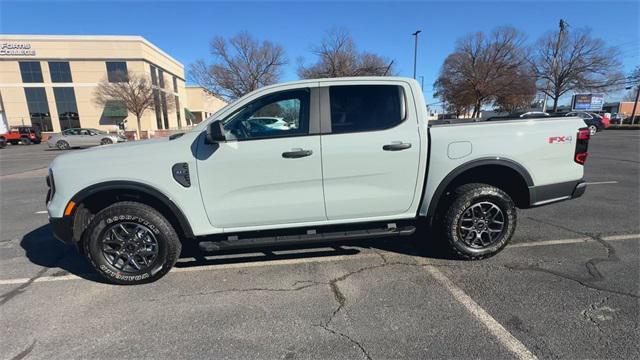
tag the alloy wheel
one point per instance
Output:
(129, 247)
(481, 225)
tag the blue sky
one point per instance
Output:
(184, 28)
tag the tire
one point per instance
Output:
(593, 130)
(26, 141)
(466, 212)
(111, 242)
(3, 143)
(106, 141)
(62, 145)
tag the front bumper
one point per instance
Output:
(547, 194)
(62, 229)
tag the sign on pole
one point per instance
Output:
(587, 102)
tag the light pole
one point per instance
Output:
(415, 52)
(421, 82)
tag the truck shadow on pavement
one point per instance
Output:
(42, 249)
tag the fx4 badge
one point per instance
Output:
(560, 139)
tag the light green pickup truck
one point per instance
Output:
(353, 158)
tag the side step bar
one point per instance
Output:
(310, 237)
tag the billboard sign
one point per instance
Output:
(587, 102)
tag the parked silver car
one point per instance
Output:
(83, 138)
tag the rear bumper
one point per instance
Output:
(547, 194)
(62, 229)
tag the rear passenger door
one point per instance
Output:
(370, 150)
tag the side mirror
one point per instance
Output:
(215, 133)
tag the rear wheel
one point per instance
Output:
(26, 141)
(106, 141)
(62, 145)
(593, 130)
(131, 243)
(480, 221)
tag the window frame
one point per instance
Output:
(327, 125)
(112, 73)
(66, 93)
(303, 105)
(44, 120)
(30, 71)
(58, 72)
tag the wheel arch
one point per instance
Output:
(505, 174)
(92, 199)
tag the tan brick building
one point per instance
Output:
(49, 81)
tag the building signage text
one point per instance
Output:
(16, 49)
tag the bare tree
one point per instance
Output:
(133, 91)
(242, 65)
(483, 68)
(338, 57)
(574, 62)
(519, 94)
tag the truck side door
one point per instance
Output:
(370, 150)
(264, 175)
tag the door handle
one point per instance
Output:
(396, 146)
(296, 153)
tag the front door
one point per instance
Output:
(370, 151)
(269, 171)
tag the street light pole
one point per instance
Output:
(421, 82)
(415, 52)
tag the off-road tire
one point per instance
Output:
(26, 141)
(464, 197)
(169, 245)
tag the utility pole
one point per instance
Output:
(421, 82)
(635, 105)
(563, 26)
(415, 52)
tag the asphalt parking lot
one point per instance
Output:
(567, 286)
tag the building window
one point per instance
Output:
(178, 111)
(67, 107)
(31, 71)
(165, 115)
(60, 72)
(161, 78)
(157, 108)
(38, 108)
(154, 75)
(175, 84)
(117, 71)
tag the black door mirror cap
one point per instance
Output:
(215, 133)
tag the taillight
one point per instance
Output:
(582, 144)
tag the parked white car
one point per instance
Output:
(77, 137)
(359, 161)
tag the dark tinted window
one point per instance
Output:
(177, 104)
(38, 108)
(161, 78)
(60, 72)
(175, 84)
(157, 108)
(165, 115)
(117, 71)
(31, 71)
(67, 107)
(154, 75)
(357, 108)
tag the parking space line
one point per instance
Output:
(499, 332)
(574, 241)
(601, 182)
(239, 265)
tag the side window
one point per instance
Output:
(84, 132)
(356, 108)
(276, 115)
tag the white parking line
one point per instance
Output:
(499, 332)
(41, 212)
(242, 265)
(601, 182)
(576, 240)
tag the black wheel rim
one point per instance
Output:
(129, 247)
(481, 225)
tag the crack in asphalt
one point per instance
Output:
(591, 265)
(22, 354)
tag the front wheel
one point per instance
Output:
(480, 221)
(130, 243)
(26, 141)
(62, 145)
(106, 141)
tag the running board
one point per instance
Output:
(311, 237)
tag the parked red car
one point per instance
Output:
(24, 134)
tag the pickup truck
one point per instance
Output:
(359, 160)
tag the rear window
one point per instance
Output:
(356, 108)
